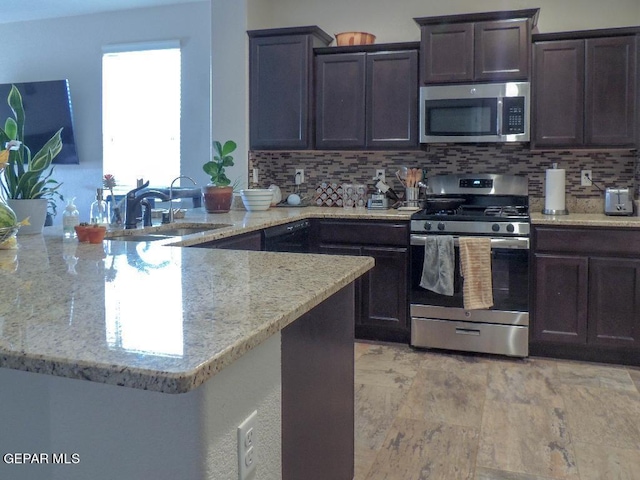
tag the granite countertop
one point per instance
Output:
(154, 316)
(586, 220)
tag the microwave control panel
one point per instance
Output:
(513, 115)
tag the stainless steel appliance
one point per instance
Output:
(491, 206)
(490, 112)
(617, 201)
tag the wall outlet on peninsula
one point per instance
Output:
(247, 446)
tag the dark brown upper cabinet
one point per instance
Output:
(483, 47)
(281, 86)
(367, 99)
(585, 89)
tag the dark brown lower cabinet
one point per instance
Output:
(614, 302)
(586, 294)
(317, 392)
(382, 298)
(561, 299)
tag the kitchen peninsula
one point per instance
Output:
(142, 358)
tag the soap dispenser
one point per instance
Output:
(100, 209)
(70, 219)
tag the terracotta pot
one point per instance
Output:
(217, 199)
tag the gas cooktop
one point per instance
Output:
(485, 204)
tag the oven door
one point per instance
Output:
(509, 271)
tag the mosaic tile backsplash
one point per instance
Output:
(617, 168)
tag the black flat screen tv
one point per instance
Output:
(47, 108)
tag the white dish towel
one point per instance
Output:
(439, 264)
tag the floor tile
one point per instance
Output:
(455, 397)
(387, 366)
(596, 462)
(437, 360)
(528, 439)
(360, 349)
(416, 449)
(375, 409)
(589, 375)
(364, 459)
(530, 382)
(635, 377)
(491, 474)
(602, 416)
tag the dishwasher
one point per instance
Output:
(291, 237)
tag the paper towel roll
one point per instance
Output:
(554, 201)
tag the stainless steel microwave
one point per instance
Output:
(488, 112)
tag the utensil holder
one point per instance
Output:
(411, 196)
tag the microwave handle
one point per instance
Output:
(499, 117)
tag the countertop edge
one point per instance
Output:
(171, 382)
(586, 220)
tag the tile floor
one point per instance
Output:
(423, 415)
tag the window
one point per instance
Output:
(141, 113)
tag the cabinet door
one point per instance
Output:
(558, 93)
(446, 53)
(392, 100)
(280, 77)
(385, 289)
(560, 314)
(614, 302)
(502, 50)
(348, 250)
(611, 91)
(340, 101)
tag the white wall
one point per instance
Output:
(72, 48)
(230, 80)
(393, 21)
(127, 433)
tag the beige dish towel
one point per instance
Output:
(475, 267)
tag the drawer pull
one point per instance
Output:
(467, 331)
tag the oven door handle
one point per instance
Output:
(497, 243)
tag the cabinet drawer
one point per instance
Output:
(587, 240)
(364, 233)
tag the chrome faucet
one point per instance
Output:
(133, 202)
(171, 194)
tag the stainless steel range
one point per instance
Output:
(494, 207)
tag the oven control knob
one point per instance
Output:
(511, 228)
(495, 227)
(427, 226)
(440, 226)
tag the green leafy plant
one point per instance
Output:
(221, 159)
(27, 176)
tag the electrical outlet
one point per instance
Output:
(380, 174)
(586, 178)
(247, 446)
(299, 178)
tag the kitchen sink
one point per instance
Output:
(165, 231)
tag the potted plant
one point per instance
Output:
(27, 182)
(218, 194)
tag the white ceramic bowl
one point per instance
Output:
(256, 199)
(256, 192)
